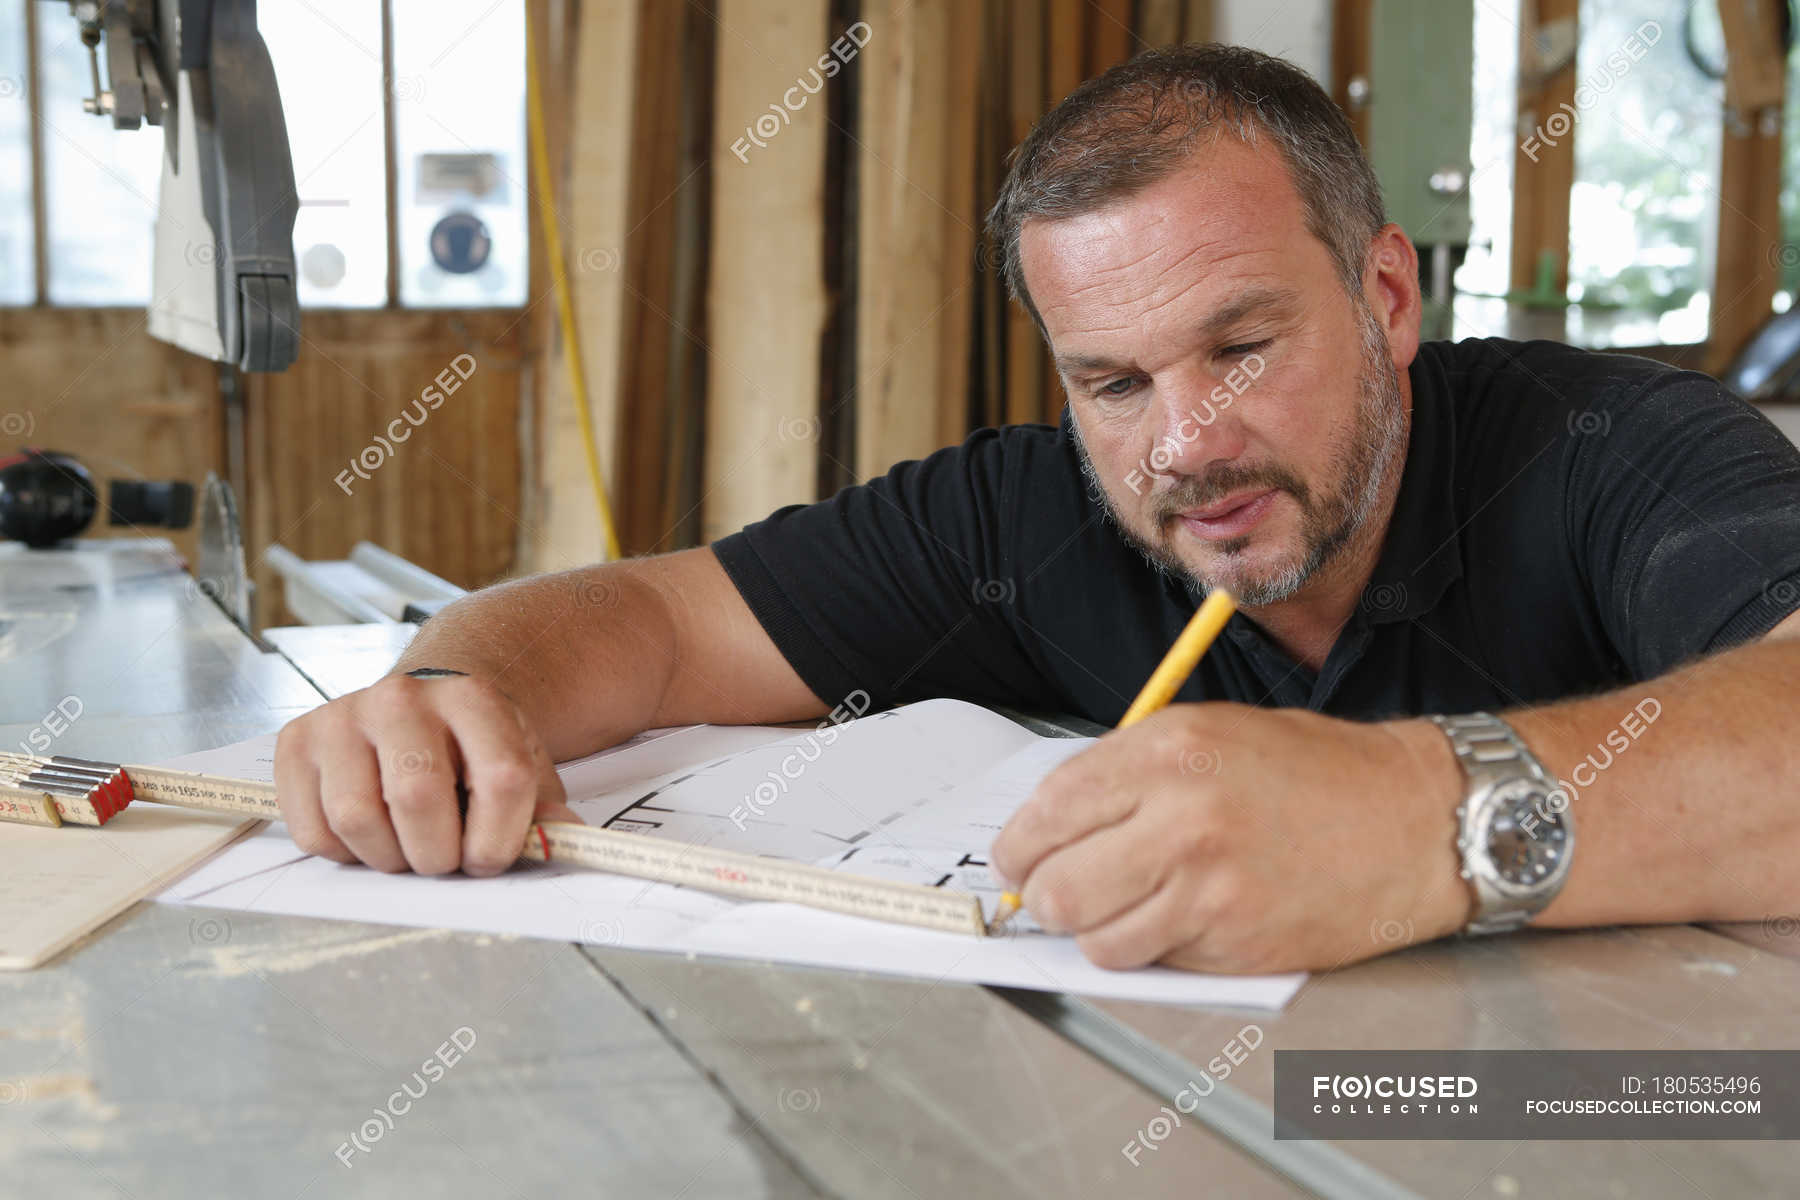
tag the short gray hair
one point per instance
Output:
(1136, 123)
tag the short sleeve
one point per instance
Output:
(900, 587)
(1684, 506)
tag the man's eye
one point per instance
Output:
(1243, 348)
(1117, 388)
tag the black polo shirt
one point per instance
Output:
(1567, 522)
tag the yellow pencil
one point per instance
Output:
(1164, 682)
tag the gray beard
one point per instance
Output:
(1362, 461)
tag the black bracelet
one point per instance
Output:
(433, 672)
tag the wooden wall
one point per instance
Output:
(766, 304)
(448, 497)
(764, 319)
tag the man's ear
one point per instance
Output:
(1391, 288)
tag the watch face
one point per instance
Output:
(1526, 841)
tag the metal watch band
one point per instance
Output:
(1483, 742)
(1489, 752)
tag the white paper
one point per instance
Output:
(914, 794)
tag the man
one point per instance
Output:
(1603, 552)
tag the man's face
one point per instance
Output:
(1235, 410)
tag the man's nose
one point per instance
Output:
(1195, 424)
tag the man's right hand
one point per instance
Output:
(372, 777)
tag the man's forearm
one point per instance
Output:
(1682, 790)
(585, 654)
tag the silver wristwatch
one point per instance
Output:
(1512, 829)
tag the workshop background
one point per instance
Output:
(768, 214)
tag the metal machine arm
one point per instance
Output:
(223, 280)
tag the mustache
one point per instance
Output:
(1199, 491)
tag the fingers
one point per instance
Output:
(1086, 883)
(509, 776)
(372, 777)
(552, 803)
(350, 797)
(1167, 919)
(1082, 795)
(418, 785)
(297, 791)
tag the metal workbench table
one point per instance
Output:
(185, 1051)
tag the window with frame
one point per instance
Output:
(18, 223)
(1644, 209)
(456, 234)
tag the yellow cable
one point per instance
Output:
(565, 305)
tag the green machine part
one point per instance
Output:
(1420, 103)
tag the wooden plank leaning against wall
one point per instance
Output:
(629, 88)
(767, 302)
(589, 65)
(939, 347)
(915, 228)
(935, 93)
